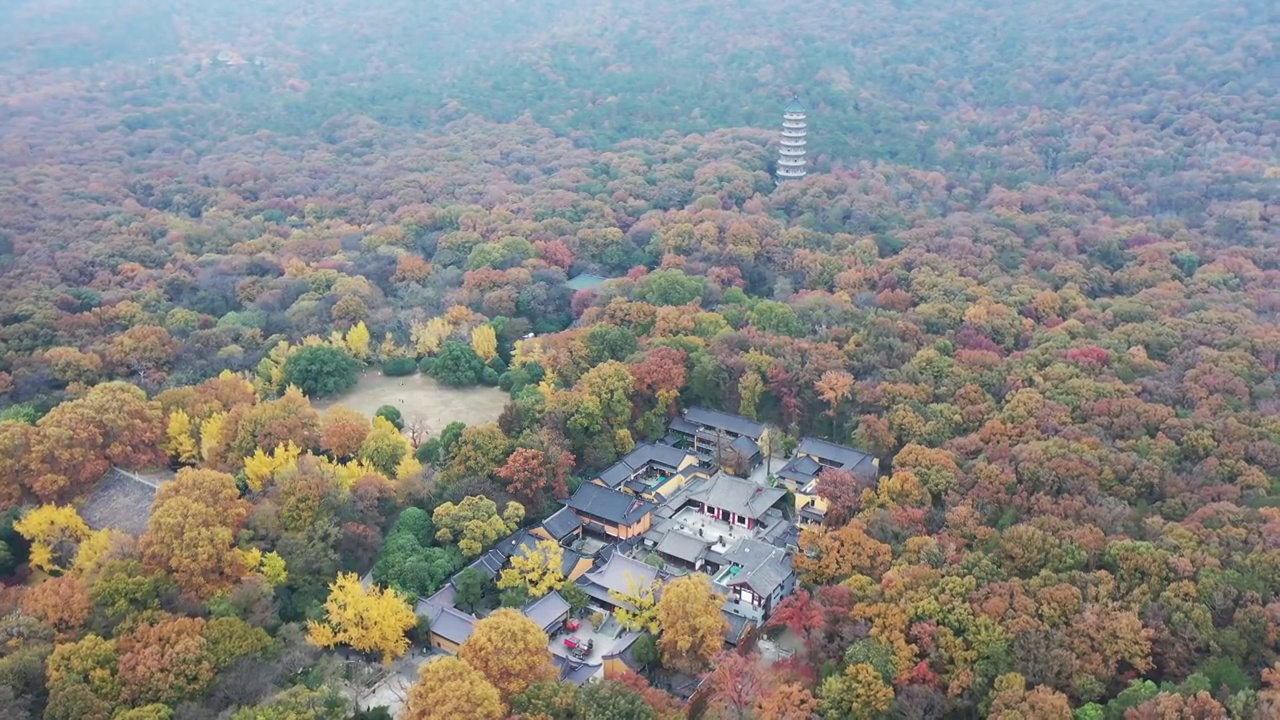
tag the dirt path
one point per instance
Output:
(421, 398)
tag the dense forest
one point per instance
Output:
(1034, 269)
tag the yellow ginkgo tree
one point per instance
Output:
(357, 341)
(637, 608)
(484, 341)
(536, 568)
(180, 442)
(260, 466)
(55, 533)
(270, 565)
(370, 621)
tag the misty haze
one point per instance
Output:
(604, 360)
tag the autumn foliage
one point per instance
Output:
(509, 651)
(192, 531)
(1032, 271)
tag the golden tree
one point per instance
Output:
(536, 568)
(449, 688)
(385, 447)
(510, 650)
(691, 623)
(100, 547)
(90, 661)
(828, 555)
(834, 387)
(484, 341)
(373, 620)
(192, 532)
(1011, 700)
(271, 566)
(343, 430)
(474, 523)
(181, 438)
(637, 608)
(55, 533)
(788, 701)
(261, 467)
(859, 693)
(357, 341)
(428, 337)
(15, 442)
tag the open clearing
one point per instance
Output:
(421, 398)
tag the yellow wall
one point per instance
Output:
(624, 532)
(584, 564)
(614, 668)
(666, 489)
(446, 645)
(804, 500)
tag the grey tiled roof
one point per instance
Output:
(682, 426)
(737, 627)
(841, 456)
(574, 671)
(746, 446)
(511, 544)
(736, 424)
(620, 574)
(561, 524)
(649, 456)
(488, 564)
(764, 567)
(608, 504)
(801, 468)
(453, 625)
(683, 546)
(735, 495)
(547, 611)
(568, 561)
(428, 607)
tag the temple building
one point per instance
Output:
(791, 154)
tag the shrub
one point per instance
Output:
(392, 415)
(399, 367)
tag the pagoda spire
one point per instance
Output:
(791, 155)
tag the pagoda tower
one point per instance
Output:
(791, 155)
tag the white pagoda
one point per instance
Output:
(791, 154)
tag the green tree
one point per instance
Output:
(321, 370)
(417, 522)
(775, 317)
(406, 565)
(470, 585)
(391, 414)
(399, 367)
(474, 523)
(611, 700)
(609, 342)
(456, 365)
(299, 703)
(645, 651)
(547, 699)
(576, 597)
(669, 287)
